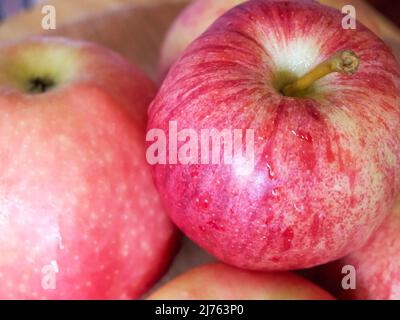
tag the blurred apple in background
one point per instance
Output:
(200, 14)
(364, 13)
(79, 215)
(221, 282)
(376, 266)
(191, 23)
(327, 161)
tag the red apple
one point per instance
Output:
(375, 267)
(79, 216)
(218, 281)
(200, 14)
(326, 152)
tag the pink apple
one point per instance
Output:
(191, 23)
(79, 216)
(326, 152)
(218, 281)
(375, 267)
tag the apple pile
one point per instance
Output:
(84, 213)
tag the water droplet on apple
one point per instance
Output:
(298, 208)
(271, 172)
(303, 135)
(275, 192)
(203, 201)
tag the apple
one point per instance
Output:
(375, 267)
(79, 215)
(217, 281)
(191, 23)
(325, 146)
(200, 14)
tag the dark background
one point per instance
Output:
(390, 8)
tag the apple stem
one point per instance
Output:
(345, 62)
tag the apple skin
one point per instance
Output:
(326, 166)
(200, 14)
(377, 265)
(191, 23)
(75, 188)
(218, 281)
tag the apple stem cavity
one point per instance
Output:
(344, 62)
(40, 85)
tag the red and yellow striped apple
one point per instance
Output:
(200, 14)
(79, 215)
(327, 140)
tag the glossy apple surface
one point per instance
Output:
(376, 266)
(326, 162)
(79, 216)
(218, 281)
